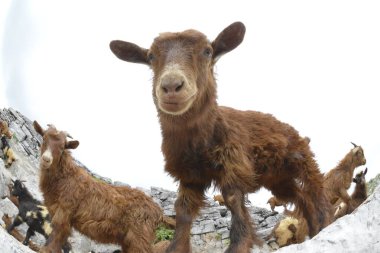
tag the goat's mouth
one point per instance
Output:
(176, 106)
(45, 163)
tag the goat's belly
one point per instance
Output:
(193, 175)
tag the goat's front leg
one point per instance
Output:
(346, 199)
(189, 201)
(61, 231)
(242, 234)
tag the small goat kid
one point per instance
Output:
(357, 197)
(33, 213)
(203, 143)
(9, 156)
(273, 202)
(103, 212)
(338, 180)
(4, 129)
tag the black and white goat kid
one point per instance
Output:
(33, 213)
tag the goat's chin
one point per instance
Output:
(44, 165)
(175, 109)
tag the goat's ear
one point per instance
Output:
(129, 52)
(72, 144)
(365, 171)
(228, 39)
(38, 128)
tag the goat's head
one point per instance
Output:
(358, 157)
(53, 144)
(360, 177)
(18, 188)
(182, 65)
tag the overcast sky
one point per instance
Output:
(312, 64)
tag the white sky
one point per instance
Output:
(312, 64)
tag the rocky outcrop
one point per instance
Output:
(372, 184)
(357, 232)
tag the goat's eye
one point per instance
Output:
(208, 52)
(150, 57)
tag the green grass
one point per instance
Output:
(164, 234)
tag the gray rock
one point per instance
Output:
(11, 245)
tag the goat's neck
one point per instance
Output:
(347, 163)
(51, 176)
(197, 125)
(25, 196)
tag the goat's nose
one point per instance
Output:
(46, 158)
(172, 84)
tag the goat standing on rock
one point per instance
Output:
(103, 212)
(238, 151)
(338, 180)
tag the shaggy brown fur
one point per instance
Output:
(273, 202)
(4, 129)
(357, 197)
(203, 143)
(105, 213)
(338, 180)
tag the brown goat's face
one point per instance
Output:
(358, 156)
(182, 65)
(53, 144)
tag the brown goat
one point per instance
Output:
(105, 213)
(205, 144)
(273, 202)
(357, 197)
(219, 199)
(338, 180)
(4, 129)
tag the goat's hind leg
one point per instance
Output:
(29, 233)
(242, 234)
(16, 222)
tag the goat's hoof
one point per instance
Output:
(25, 243)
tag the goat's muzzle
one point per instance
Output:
(46, 159)
(175, 93)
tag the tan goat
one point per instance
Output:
(338, 180)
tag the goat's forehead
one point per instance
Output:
(52, 131)
(187, 38)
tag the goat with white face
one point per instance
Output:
(105, 213)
